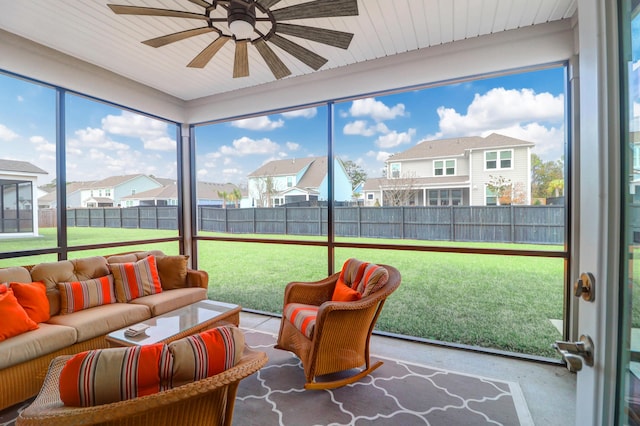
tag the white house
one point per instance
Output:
(18, 208)
(295, 180)
(458, 171)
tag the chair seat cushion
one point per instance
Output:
(302, 316)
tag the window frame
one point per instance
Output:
(498, 160)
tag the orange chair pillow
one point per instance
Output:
(78, 295)
(15, 320)
(103, 376)
(33, 299)
(344, 293)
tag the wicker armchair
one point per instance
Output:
(206, 402)
(342, 332)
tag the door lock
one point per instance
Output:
(585, 287)
(576, 353)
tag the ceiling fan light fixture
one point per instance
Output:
(241, 19)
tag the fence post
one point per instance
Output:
(226, 219)
(254, 220)
(513, 224)
(359, 223)
(452, 228)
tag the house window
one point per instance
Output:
(395, 170)
(445, 197)
(133, 192)
(496, 160)
(276, 201)
(490, 197)
(289, 181)
(107, 193)
(369, 196)
(444, 167)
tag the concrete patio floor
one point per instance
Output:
(548, 390)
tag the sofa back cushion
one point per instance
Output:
(53, 273)
(103, 376)
(172, 271)
(133, 257)
(15, 273)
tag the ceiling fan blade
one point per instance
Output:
(241, 60)
(205, 56)
(277, 67)
(317, 9)
(267, 3)
(314, 60)
(170, 38)
(151, 11)
(201, 3)
(321, 35)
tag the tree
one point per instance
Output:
(502, 188)
(556, 187)
(356, 173)
(264, 189)
(543, 173)
(225, 196)
(235, 197)
(400, 191)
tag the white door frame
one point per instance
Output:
(596, 184)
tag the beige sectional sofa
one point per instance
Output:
(24, 358)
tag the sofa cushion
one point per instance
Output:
(136, 279)
(33, 298)
(169, 300)
(133, 257)
(52, 273)
(15, 319)
(78, 295)
(15, 273)
(344, 293)
(46, 339)
(172, 271)
(205, 354)
(303, 317)
(103, 376)
(101, 320)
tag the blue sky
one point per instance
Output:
(105, 141)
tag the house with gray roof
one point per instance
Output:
(457, 171)
(18, 205)
(208, 193)
(294, 180)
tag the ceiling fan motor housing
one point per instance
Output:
(242, 11)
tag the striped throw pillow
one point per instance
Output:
(302, 316)
(136, 279)
(364, 277)
(205, 354)
(103, 376)
(78, 295)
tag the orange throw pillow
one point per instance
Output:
(15, 319)
(33, 298)
(344, 293)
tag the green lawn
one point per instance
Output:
(502, 302)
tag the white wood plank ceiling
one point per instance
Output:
(90, 31)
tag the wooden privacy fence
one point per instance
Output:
(513, 224)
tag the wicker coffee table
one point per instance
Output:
(177, 324)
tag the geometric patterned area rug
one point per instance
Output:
(397, 393)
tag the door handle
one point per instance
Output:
(575, 354)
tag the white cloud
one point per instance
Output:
(258, 123)
(393, 138)
(362, 128)
(377, 110)
(500, 108)
(96, 138)
(522, 114)
(42, 145)
(134, 125)
(292, 146)
(302, 113)
(248, 146)
(202, 173)
(20, 98)
(163, 143)
(6, 134)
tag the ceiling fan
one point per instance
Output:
(254, 22)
